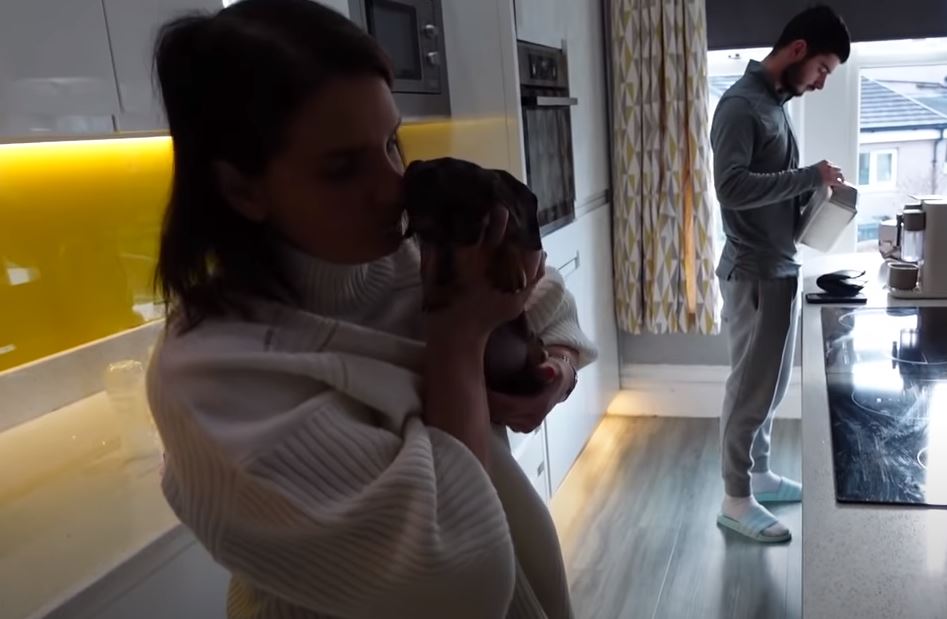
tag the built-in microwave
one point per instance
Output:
(412, 34)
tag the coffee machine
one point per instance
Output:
(922, 241)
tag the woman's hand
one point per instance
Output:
(525, 413)
(455, 392)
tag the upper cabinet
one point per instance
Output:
(55, 68)
(541, 21)
(585, 48)
(132, 26)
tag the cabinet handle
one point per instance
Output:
(570, 267)
(540, 469)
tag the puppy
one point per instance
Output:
(447, 202)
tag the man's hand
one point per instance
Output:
(831, 173)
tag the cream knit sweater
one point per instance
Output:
(296, 453)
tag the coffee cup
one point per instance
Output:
(902, 276)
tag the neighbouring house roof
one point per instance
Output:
(881, 108)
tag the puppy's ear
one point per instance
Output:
(524, 208)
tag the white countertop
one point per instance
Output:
(72, 509)
(864, 561)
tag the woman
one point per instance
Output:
(327, 443)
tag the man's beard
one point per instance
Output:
(791, 79)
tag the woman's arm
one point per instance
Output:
(552, 315)
(297, 490)
(455, 392)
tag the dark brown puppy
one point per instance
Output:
(448, 201)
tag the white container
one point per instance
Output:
(825, 217)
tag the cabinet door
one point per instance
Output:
(586, 55)
(568, 425)
(55, 68)
(588, 274)
(530, 454)
(540, 21)
(597, 315)
(133, 25)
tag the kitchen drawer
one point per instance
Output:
(531, 456)
(561, 245)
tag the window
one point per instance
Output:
(902, 117)
(877, 169)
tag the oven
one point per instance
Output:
(412, 34)
(547, 132)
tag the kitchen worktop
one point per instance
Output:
(865, 561)
(72, 507)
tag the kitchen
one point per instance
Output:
(86, 536)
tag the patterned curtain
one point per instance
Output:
(664, 255)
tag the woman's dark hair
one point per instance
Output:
(823, 31)
(231, 83)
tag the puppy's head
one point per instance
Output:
(523, 227)
(448, 199)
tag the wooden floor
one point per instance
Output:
(636, 516)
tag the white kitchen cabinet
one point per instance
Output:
(55, 68)
(133, 25)
(570, 424)
(597, 312)
(541, 21)
(582, 252)
(586, 56)
(530, 454)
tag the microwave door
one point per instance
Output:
(396, 27)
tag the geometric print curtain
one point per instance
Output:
(663, 224)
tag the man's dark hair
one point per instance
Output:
(822, 29)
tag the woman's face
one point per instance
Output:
(335, 191)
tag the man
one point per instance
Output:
(761, 191)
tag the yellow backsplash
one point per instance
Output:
(79, 227)
(482, 140)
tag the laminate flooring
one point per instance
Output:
(637, 520)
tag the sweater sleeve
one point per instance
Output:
(552, 314)
(296, 491)
(739, 188)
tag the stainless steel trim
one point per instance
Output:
(569, 267)
(550, 101)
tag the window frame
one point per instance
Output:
(873, 183)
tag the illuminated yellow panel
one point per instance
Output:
(482, 140)
(80, 222)
(79, 227)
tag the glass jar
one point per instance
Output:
(912, 240)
